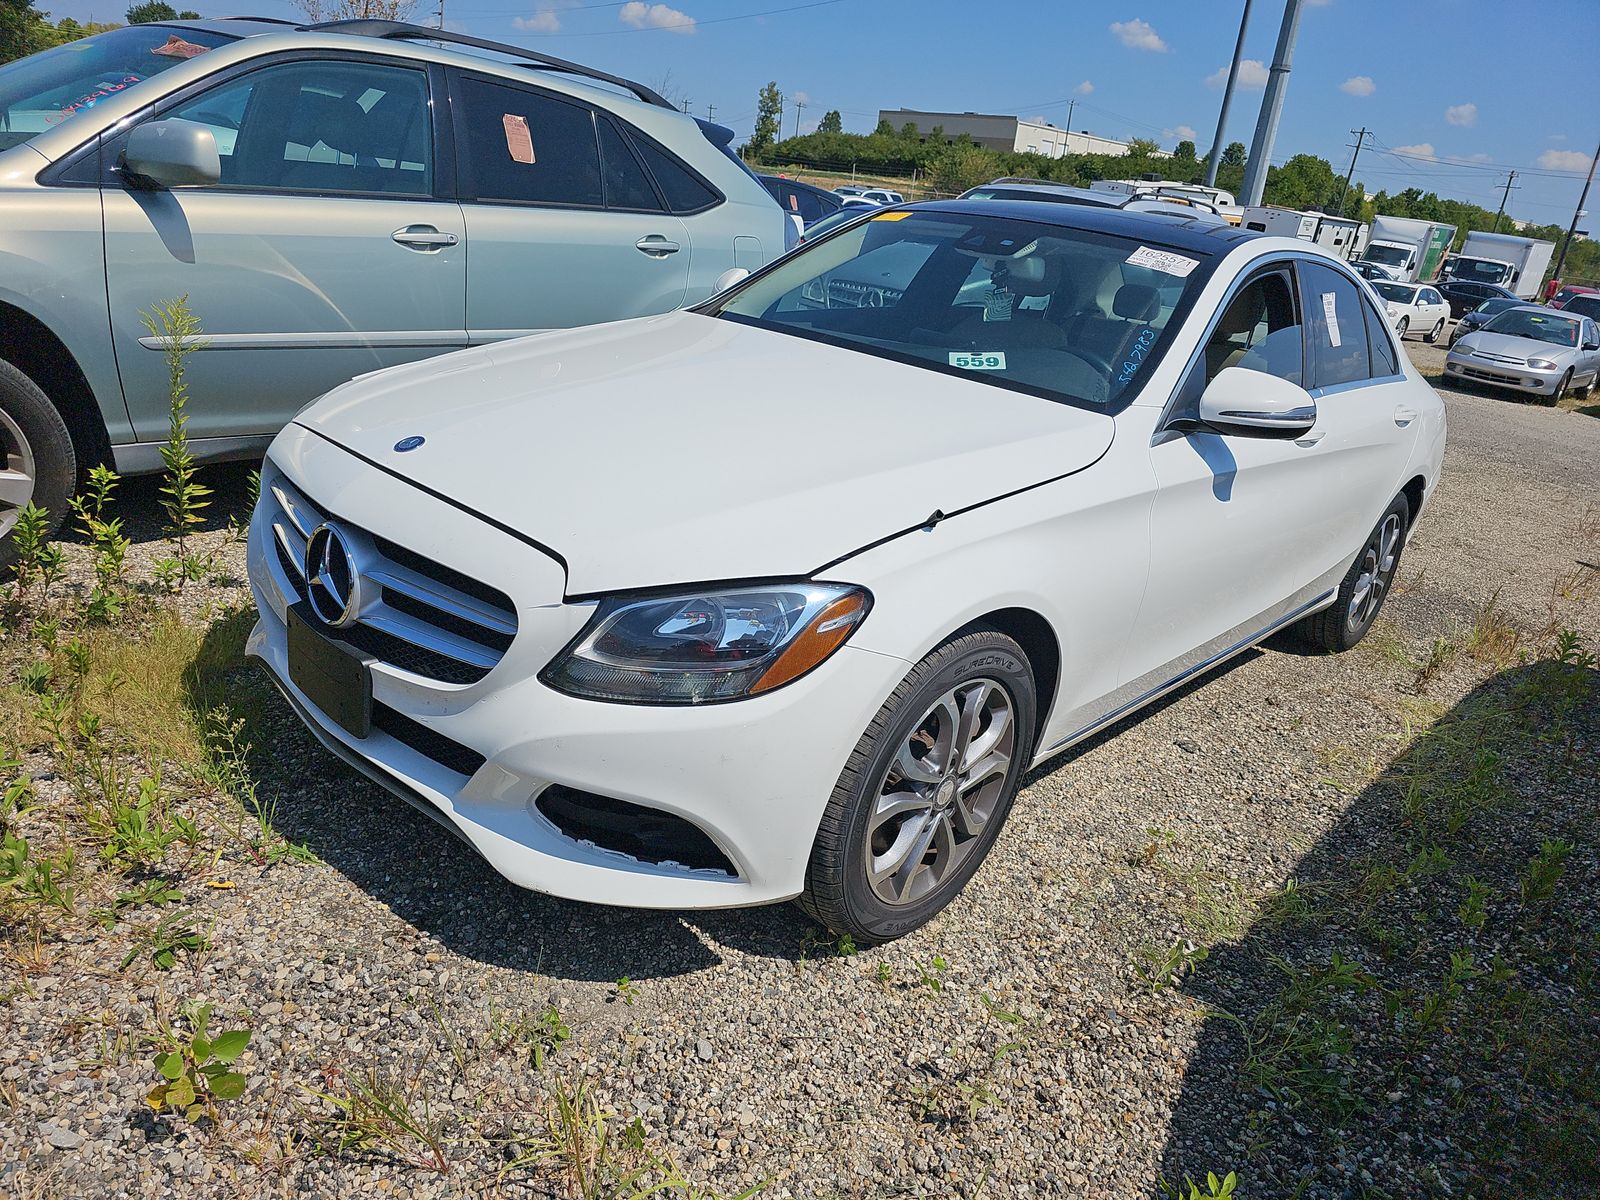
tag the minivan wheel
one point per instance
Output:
(926, 790)
(37, 463)
(1365, 585)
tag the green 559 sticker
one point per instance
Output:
(991, 360)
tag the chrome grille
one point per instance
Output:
(423, 618)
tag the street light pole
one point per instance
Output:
(1255, 172)
(1227, 100)
(1576, 213)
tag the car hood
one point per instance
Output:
(683, 448)
(1507, 346)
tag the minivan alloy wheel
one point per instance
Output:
(17, 473)
(939, 791)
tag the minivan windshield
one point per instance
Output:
(49, 88)
(1074, 315)
(1531, 323)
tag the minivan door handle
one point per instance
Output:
(656, 246)
(423, 237)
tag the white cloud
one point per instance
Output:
(1084, 88)
(801, 97)
(1252, 74)
(1564, 160)
(1318, 3)
(1137, 34)
(544, 20)
(1557, 137)
(1180, 133)
(1358, 85)
(1481, 157)
(1420, 150)
(1465, 115)
(655, 16)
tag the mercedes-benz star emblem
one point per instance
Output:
(409, 443)
(333, 583)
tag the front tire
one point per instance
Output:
(1400, 329)
(1562, 388)
(37, 462)
(1433, 334)
(926, 790)
(1365, 585)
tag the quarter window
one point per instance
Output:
(1259, 331)
(685, 192)
(335, 126)
(627, 186)
(1336, 329)
(524, 147)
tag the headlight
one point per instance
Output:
(694, 647)
(1541, 364)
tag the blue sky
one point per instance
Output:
(1456, 91)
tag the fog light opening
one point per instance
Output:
(648, 835)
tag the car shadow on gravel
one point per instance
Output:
(438, 884)
(1419, 1014)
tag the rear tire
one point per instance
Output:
(37, 462)
(1433, 334)
(1366, 585)
(1400, 329)
(925, 792)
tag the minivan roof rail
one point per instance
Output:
(400, 31)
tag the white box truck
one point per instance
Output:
(1280, 222)
(1406, 249)
(1502, 259)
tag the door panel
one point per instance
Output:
(320, 254)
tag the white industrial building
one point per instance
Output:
(997, 132)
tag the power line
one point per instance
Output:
(692, 23)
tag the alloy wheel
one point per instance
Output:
(940, 791)
(1377, 567)
(17, 475)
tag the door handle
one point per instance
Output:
(1403, 416)
(1311, 438)
(656, 246)
(423, 237)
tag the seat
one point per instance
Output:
(1239, 320)
(339, 124)
(1031, 275)
(1133, 307)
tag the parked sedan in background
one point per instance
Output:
(1413, 307)
(1465, 295)
(646, 670)
(883, 196)
(1586, 305)
(1481, 316)
(1559, 300)
(1537, 351)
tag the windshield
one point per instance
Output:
(1489, 307)
(1531, 323)
(44, 90)
(1389, 256)
(1398, 293)
(1479, 270)
(1072, 315)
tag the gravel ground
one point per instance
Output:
(750, 1050)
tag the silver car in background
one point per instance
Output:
(1537, 351)
(332, 200)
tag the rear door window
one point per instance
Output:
(1336, 341)
(526, 147)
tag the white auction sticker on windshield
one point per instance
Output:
(1330, 313)
(1164, 261)
(988, 360)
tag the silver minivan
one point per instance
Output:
(332, 200)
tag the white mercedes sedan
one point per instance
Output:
(781, 596)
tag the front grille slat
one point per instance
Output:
(428, 620)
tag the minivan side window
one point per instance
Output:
(524, 147)
(334, 126)
(1336, 328)
(685, 191)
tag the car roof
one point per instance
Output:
(1180, 232)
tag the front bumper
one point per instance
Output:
(753, 775)
(1466, 368)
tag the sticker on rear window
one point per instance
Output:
(1330, 313)
(519, 142)
(986, 360)
(894, 216)
(1164, 261)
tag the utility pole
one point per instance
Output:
(711, 112)
(1071, 107)
(1255, 171)
(441, 14)
(1227, 100)
(1572, 229)
(1361, 139)
(799, 107)
(1504, 196)
(686, 104)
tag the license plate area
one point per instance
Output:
(334, 678)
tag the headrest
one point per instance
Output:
(1136, 302)
(332, 120)
(1244, 314)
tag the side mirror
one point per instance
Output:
(728, 278)
(1248, 403)
(173, 153)
(1594, 345)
